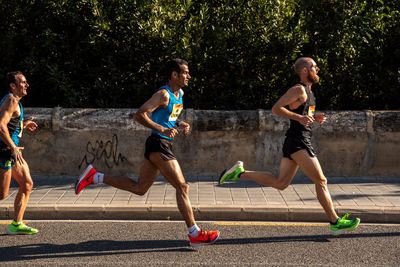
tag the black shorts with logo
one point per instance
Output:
(156, 143)
(293, 144)
(7, 160)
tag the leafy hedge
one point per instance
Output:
(111, 53)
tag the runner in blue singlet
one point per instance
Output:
(15, 127)
(164, 108)
(12, 164)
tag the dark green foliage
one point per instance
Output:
(98, 53)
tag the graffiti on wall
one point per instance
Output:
(103, 151)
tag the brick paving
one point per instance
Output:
(373, 199)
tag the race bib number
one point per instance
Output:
(176, 111)
(311, 111)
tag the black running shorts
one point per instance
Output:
(156, 143)
(6, 159)
(292, 145)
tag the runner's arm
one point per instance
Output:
(295, 96)
(320, 117)
(30, 124)
(159, 100)
(183, 126)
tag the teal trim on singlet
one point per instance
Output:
(167, 116)
(14, 126)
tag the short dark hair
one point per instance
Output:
(301, 63)
(10, 78)
(175, 65)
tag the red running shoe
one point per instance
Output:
(85, 179)
(204, 238)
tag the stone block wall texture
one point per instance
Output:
(350, 143)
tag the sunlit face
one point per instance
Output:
(20, 87)
(312, 72)
(183, 76)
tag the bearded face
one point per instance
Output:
(313, 77)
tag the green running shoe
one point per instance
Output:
(344, 224)
(21, 229)
(233, 173)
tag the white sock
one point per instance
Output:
(194, 230)
(98, 178)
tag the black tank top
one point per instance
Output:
(297, 129)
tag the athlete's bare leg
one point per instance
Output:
(20, 172)
(287, 170)
(172, 172)
(149, 172)
(311, 168)
(147, 175)
(5, 180)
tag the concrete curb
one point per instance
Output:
(202, 212)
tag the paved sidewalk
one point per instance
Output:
(53, 197)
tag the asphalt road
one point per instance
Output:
(150, 243)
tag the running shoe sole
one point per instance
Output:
(19, 233)
(83, 175)
(220, 177)
(340, 231)
(225, 172)
(203, 244)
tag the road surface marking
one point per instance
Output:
(273, 223)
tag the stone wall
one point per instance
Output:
(350, 143)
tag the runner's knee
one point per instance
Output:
(282, 184)
(182, 188)
(27, 186)
(322, 182)
(142, 190)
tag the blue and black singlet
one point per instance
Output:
(167, 116)
(15, 126)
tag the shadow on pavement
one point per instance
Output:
(109, 247)
(303, 238)
(90, 248)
